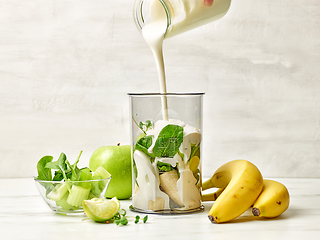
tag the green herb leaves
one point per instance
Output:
(166, 145)
(164, 167)
(43, 172)
(145, 126)
(64, 170)
(59, 165)
(75, 171)
(143, 219)
(123, 221)
(168, 141)
(143, 145)
(121, 218)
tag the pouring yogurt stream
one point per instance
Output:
(180, 188)
(153, 33)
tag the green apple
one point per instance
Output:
(117, 161)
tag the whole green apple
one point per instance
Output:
(117, 161)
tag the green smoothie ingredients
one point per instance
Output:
(73, 188)
(166, 163)
(67, 184)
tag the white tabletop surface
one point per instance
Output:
(24, 215)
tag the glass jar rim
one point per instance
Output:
(139, 18)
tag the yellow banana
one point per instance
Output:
(212, 196)
(243, 182)
(273, 200)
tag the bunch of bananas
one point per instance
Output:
(241, 186)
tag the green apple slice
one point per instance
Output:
(100, 209)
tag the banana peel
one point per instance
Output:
(243, 182)
(212, 196)
(273, 200)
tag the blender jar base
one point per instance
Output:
(168, 211)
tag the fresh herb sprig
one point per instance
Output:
(138, 219)
(121, 219)
(145, 126)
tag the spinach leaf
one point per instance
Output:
(43, 172)
(58, 176)
(168, 141)
(65, 170)
(60, 165)
(143, 145)
(53, 165)
(164, 167)
(75, 171)
(62, 162)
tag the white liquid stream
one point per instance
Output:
(153, 33)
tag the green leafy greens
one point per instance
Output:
(64, 169)
(164, 167)
(166, 145)
(144, 144)
(43, 172)
(69, 194)
(168, 141)
(121, 218)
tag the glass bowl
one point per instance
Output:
(66, 197)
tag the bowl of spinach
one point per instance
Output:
(64, 186)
